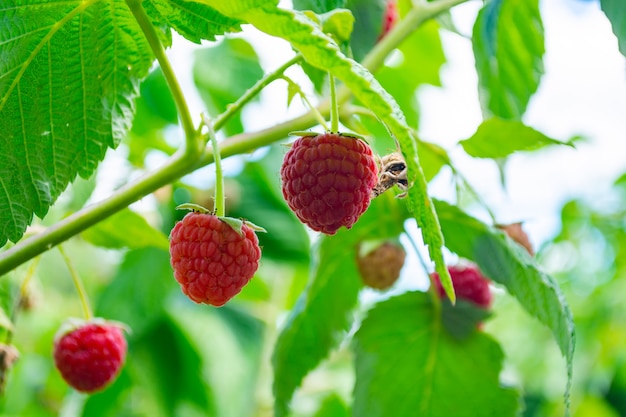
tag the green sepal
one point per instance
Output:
(352, 135)
(237, 225)
(194, 207)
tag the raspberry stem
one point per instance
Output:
(334, 106)
(78, 283)
(220, 205)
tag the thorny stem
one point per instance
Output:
(186, 161)
(78, 283)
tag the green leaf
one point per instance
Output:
(509, 264)
(222, 84)
(461, 319)
(321, 315)
(70, 71)
(499, 138)
(368, 15)
(406, 365)
(125, 229)
(318, 6)
(508, 48)
(193, 20)
(615, 10)
(333, 406)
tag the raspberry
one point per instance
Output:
(469, 284)
(390, 17)
(380, 268)
(89, 355)
(327, 180)
(212, 261)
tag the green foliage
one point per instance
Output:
(406, 364)
(321, 315)
(79, 78)
(507, 263)
(508, 47)
(498, 138)
(615, 10)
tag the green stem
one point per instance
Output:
(334, 106)
(78, 283)
(193, 146)
(252, 92)
(220, 205)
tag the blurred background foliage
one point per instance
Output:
(189, 360)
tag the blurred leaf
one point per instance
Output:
(318, 6)
(165, 361)
(461, 319)
(222, 73)
(137, 293)
(125, 229)
(498, 138)
(407, 366)
(333, 406)
(260, 200)
(615, 10)
(432, 158)
(195, 21)
(509, 264)
(70, 73)
(339, 23)
(508, 47)
(5, 321)
(158, 98)
(112, 401)
(368, 16)
(81, 190)
(321, 315)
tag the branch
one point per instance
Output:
(189, 157)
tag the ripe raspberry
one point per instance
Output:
(380, 268)
(212, 262)
(469, 284)
(390, 17)
(89, 355)
(327, 180)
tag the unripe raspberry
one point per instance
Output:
(212, 262)
(469, 284)
(89, 355)
(327, 180)
(380, 267)
(390, 17)
(517, 233)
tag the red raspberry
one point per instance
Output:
(89, 355)
(328, 179)
(469, 284)
(212, 262)
(380, 268)
(389, 18)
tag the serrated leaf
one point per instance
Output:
(321, 315)
(406, 365)
(69, 72)
(508, 47)
(221, 85)
(499, 138)
(195, 21)
(615, 10)
(125, 229)
(506, 262)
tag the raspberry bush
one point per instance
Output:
(114, 113)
